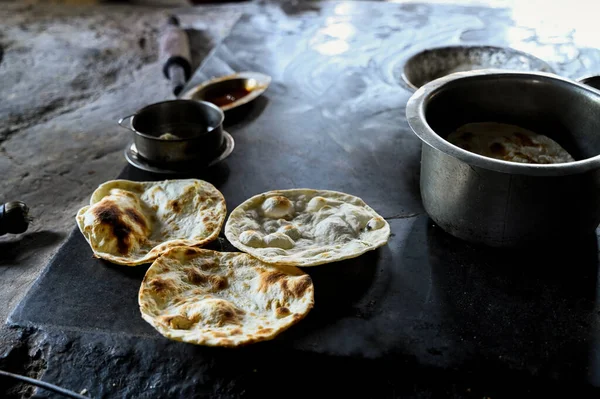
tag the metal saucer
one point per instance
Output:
(134, 159)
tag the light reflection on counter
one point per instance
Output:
(332, 47)
(332, 38)
(339, 30)
(553, 20)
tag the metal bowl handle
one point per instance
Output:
(127, 118)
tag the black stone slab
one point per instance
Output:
(435, 308)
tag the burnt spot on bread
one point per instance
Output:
(498, 149)
(264, 331)
(269, 278)
(525, 140)
(162, 286)
(110, 214)
(228, 314)
(207, 264)
(128, 194)
(190, 251)
(174, 205)
(290, 288)
(137, 218)
(195, 276)
(280, 200)
(297, 287)
(179, 322)
(236, 331)
(191, 189)
(219, 334)
(179, 299)
(218, 283)
(301, 285)
(282, 312)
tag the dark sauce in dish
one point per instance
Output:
(226, 97)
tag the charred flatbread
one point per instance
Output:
(228, 299)
(130, 223)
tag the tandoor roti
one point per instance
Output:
(303, 227)
(222, 298)
(508, 143)
(131, 223)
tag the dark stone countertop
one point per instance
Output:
(425, 315)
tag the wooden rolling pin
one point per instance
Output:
(175, 55)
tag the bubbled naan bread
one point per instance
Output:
(303, 227)
(508, 143)
(222, 298)
(130, 223)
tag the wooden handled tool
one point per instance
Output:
(175, 54)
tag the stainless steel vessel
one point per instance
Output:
(433, 63)
(502, 203)
(177, 131)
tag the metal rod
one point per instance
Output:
(45, 385)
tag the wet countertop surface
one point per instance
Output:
(427, 314)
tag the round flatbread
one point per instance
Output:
(130, 223)
(508, 143)
(303, 227)
(222, 298)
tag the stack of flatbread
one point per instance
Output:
(215, 298)
(509, 143)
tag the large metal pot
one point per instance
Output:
(177, 131)
(501, 203)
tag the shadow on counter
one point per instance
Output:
(531, 310)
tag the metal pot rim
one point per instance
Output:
(458, 47)
(415, 114)
(203, 103)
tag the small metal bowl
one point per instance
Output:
(243, 87)
(434, 63)
(190, 130)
